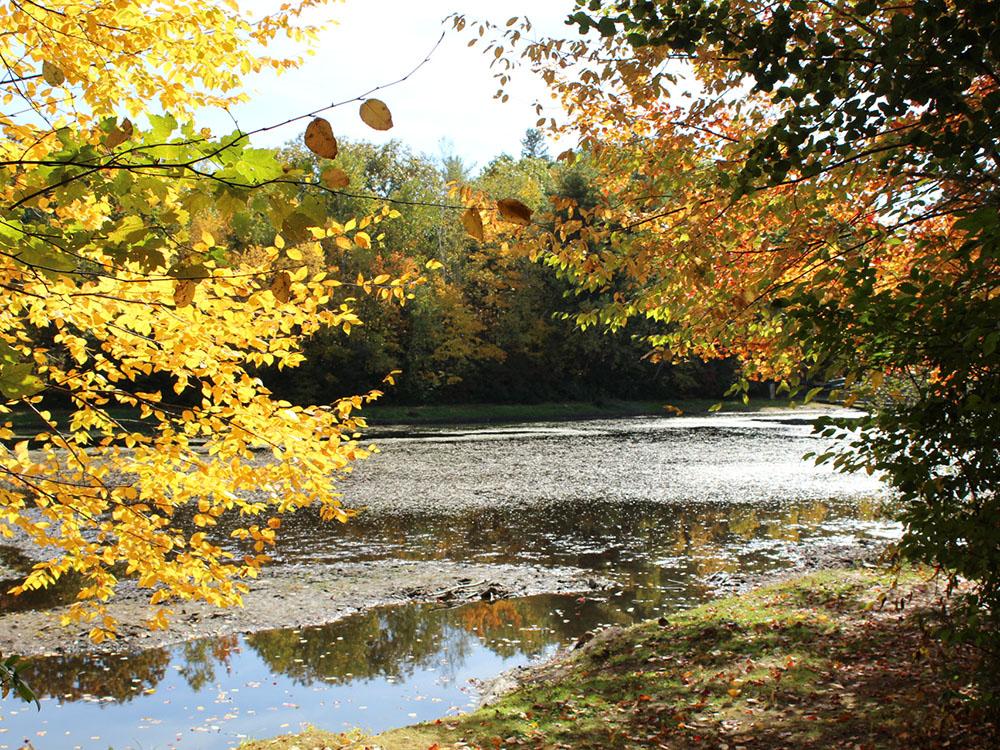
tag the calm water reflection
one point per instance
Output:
(655, 505)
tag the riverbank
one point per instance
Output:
(379, 415)
(293, 597)
(834, 659)
(26, 424)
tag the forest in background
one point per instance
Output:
(490, 326)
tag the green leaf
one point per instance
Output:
(258, 165)
(45, 257)
(130, 229)
(19, 380)
(813, 392)
(990, 343)
(160, 128)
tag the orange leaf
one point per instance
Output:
(319, 139)
(514, 211)
(473, 223)
(184, 292)
(335, 178)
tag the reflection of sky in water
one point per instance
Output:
(247, 698)
(656, 505)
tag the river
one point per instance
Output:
(673, 511)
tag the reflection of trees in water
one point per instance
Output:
(589, 531)
(699, 539)
(627, 538)
(201, 657)
(491, 619)
(74, 677)
(389, 642)
(395, 642)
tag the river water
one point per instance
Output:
(670, 509)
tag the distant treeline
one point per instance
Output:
(487, 327)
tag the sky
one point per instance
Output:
(447, 106)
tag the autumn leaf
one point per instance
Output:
(281, 286)
(335, 178)
(473, 223)
(376, 114)
(319, 139)
(184, 292)
(52, 74)
(514, 211)
(119, 134)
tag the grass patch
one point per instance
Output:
(311, 739)
(837, 659)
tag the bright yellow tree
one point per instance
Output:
(116, 295)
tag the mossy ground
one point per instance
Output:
(837, 659)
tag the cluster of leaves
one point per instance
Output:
(812, 188)
(118, 293)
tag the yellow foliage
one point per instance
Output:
(112, 281)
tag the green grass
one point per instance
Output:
(830, 660)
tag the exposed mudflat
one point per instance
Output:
(294, 598)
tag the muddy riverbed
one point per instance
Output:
(492, 546)
(294, 597)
